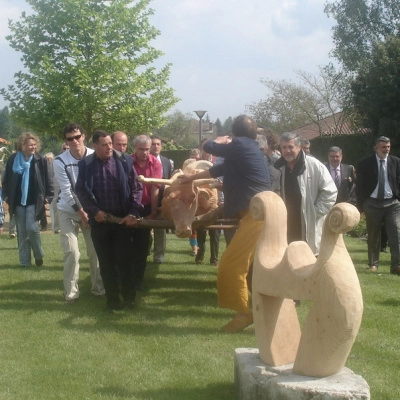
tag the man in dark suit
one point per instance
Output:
(167, 169)
(378, 195)
(342, 174)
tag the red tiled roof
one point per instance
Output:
(329, 126)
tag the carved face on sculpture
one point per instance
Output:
(181, 202)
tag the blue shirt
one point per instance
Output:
(244, 169)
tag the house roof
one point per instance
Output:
(335, 124)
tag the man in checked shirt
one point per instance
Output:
(107, 184)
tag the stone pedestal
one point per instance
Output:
(257, 381)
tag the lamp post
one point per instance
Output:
(200, 114)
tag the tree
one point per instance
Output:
(227, 126)
(180, 129)
(360, 24)
(366, 41)
(8, 129)
(218, 127)
(376, 89)
(291, 105)
(88, 61)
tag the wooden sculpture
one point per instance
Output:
(183, 202)
(285, 272)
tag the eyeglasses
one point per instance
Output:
(70, 139)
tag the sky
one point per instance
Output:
(219, 49)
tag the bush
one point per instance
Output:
(361, 229)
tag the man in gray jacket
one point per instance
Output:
(72, 216)
(307, 189)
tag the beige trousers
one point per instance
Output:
(69, 230)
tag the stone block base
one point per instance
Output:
(258, 381)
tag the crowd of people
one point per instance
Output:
(88, 187)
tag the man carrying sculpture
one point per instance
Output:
(245, 174)
(72, 217)
(107, 185)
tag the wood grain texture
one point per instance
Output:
(283, 272)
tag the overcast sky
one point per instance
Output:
(220, 49)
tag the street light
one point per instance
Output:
(200, 114)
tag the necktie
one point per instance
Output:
(337, 178)
(381, 182)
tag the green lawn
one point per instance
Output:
(169, 347)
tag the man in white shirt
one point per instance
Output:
(72, 216)
(378, 196)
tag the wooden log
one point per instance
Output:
(166, 224)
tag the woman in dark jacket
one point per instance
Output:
(27, 187)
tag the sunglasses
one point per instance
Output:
(70, 139)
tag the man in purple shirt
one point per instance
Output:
(107, 184)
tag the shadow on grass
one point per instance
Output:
(158, 313)
(219, 391)
(390, 302)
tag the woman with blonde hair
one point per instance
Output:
(27, 187)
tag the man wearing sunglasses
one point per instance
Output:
(72, 216)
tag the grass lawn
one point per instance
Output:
(170, 346)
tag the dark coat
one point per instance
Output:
(166, 174)
(43, 184)
(367, 178)
(347, 180)
(130, 189)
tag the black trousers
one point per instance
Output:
(214, 243)
(140, 243)
(113, 245)
(376, 214)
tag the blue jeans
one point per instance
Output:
(28, 235)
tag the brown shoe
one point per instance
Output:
(374, 268)
(396, 271)
(71, 301)
(238, 323)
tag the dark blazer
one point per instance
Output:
(166, 174)
(43, 184)
(347, 180)
(367, 178)
(130, 189)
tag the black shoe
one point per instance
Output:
(128, 305)
(39, 263)
(199, 258)
(114, 307)
(139, 287)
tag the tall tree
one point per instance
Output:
(218, 127)
(227, 126)
(292, 105)
(376, 89)
(8, 129)
(361, 23)
(181, 129)
(366, 41)
(88, 61)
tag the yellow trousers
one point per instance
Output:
(234, 266)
